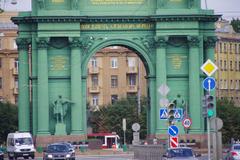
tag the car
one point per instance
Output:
(1, 155)
(58, 151)
(180, 153)
(233, 152)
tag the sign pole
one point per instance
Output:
(209, 136)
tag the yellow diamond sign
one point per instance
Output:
(209, 67)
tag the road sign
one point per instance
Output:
(216, 123)
(187, 122)
(164, 102)
(173, 130)
(163, 113)
(136, 127)
(209, 83)
(209, 67)
(163, 89)
(178, 114)
(173, 142)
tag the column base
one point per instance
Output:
(77, 132)
(43, 133)
(60, 129)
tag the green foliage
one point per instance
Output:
(109, 118)
(236, 25)
(231, 120)
(8, 120)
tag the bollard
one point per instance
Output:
(124, 148)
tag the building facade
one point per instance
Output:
(114, 73)
(227, 57)
(8, 59)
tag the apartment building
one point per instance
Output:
(8, 59)
(114, 73)
(227, 57)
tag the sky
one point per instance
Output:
(228, 8)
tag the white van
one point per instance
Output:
(20, 144)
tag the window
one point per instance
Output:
(16, 63)
(237, 84)
(132, 79)
(230, 48)
(114, 81)
(94, 62)
(114, 62)
(1, 45)
(225, 65)
(94, 80)
(236, 66)
(221, 66)
(231, 66)
(0, 62)
(225, 84)
(224, 47)
(221, 49)
(235, 47)
(131, 61)
(16, 82)
(114, 98)
(14, 44)
(1, 83)
(232, 84)
(95, 100)
(221, 84)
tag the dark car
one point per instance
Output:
(58, 151)
(1, 155)
(180, 153)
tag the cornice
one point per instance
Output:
(115, 19)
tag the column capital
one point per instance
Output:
(193, 41)
(42, 43)
(210, 41)
(161, 41)
(23, 43)
(75, 42)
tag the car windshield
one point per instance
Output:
(236, 147)
(57, 148)
(23, 141)
(181, 152)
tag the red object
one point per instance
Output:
(234, 153)
(173, 142)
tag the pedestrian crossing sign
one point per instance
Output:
(163, 113)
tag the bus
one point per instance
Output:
(109, 140)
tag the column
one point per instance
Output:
(42, 87)
(194, 83)
(161, 78)
(76, 87)
(23, 89)
(152, 117)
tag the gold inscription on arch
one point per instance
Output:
(177, 61)
(116, 26)
(116, 2)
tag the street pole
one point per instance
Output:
(208, 132)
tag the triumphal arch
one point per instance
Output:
(58, 37)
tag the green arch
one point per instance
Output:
(140, 51)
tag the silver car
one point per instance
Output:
(180, 153)
(234, 152)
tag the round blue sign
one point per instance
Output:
(209, 83)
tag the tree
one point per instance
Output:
(109, 118)
(236, 25)
(229, 113)
(8, 120)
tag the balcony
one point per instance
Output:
(132, 89)
(93, 70)
(15, 71)
(15, 90)
(94, 89)
(132, 70)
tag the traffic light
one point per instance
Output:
(204, 107)
(171, 111)
(210, 105)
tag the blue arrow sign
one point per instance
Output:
(163, 113)
(173, 130)
(209, 83)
